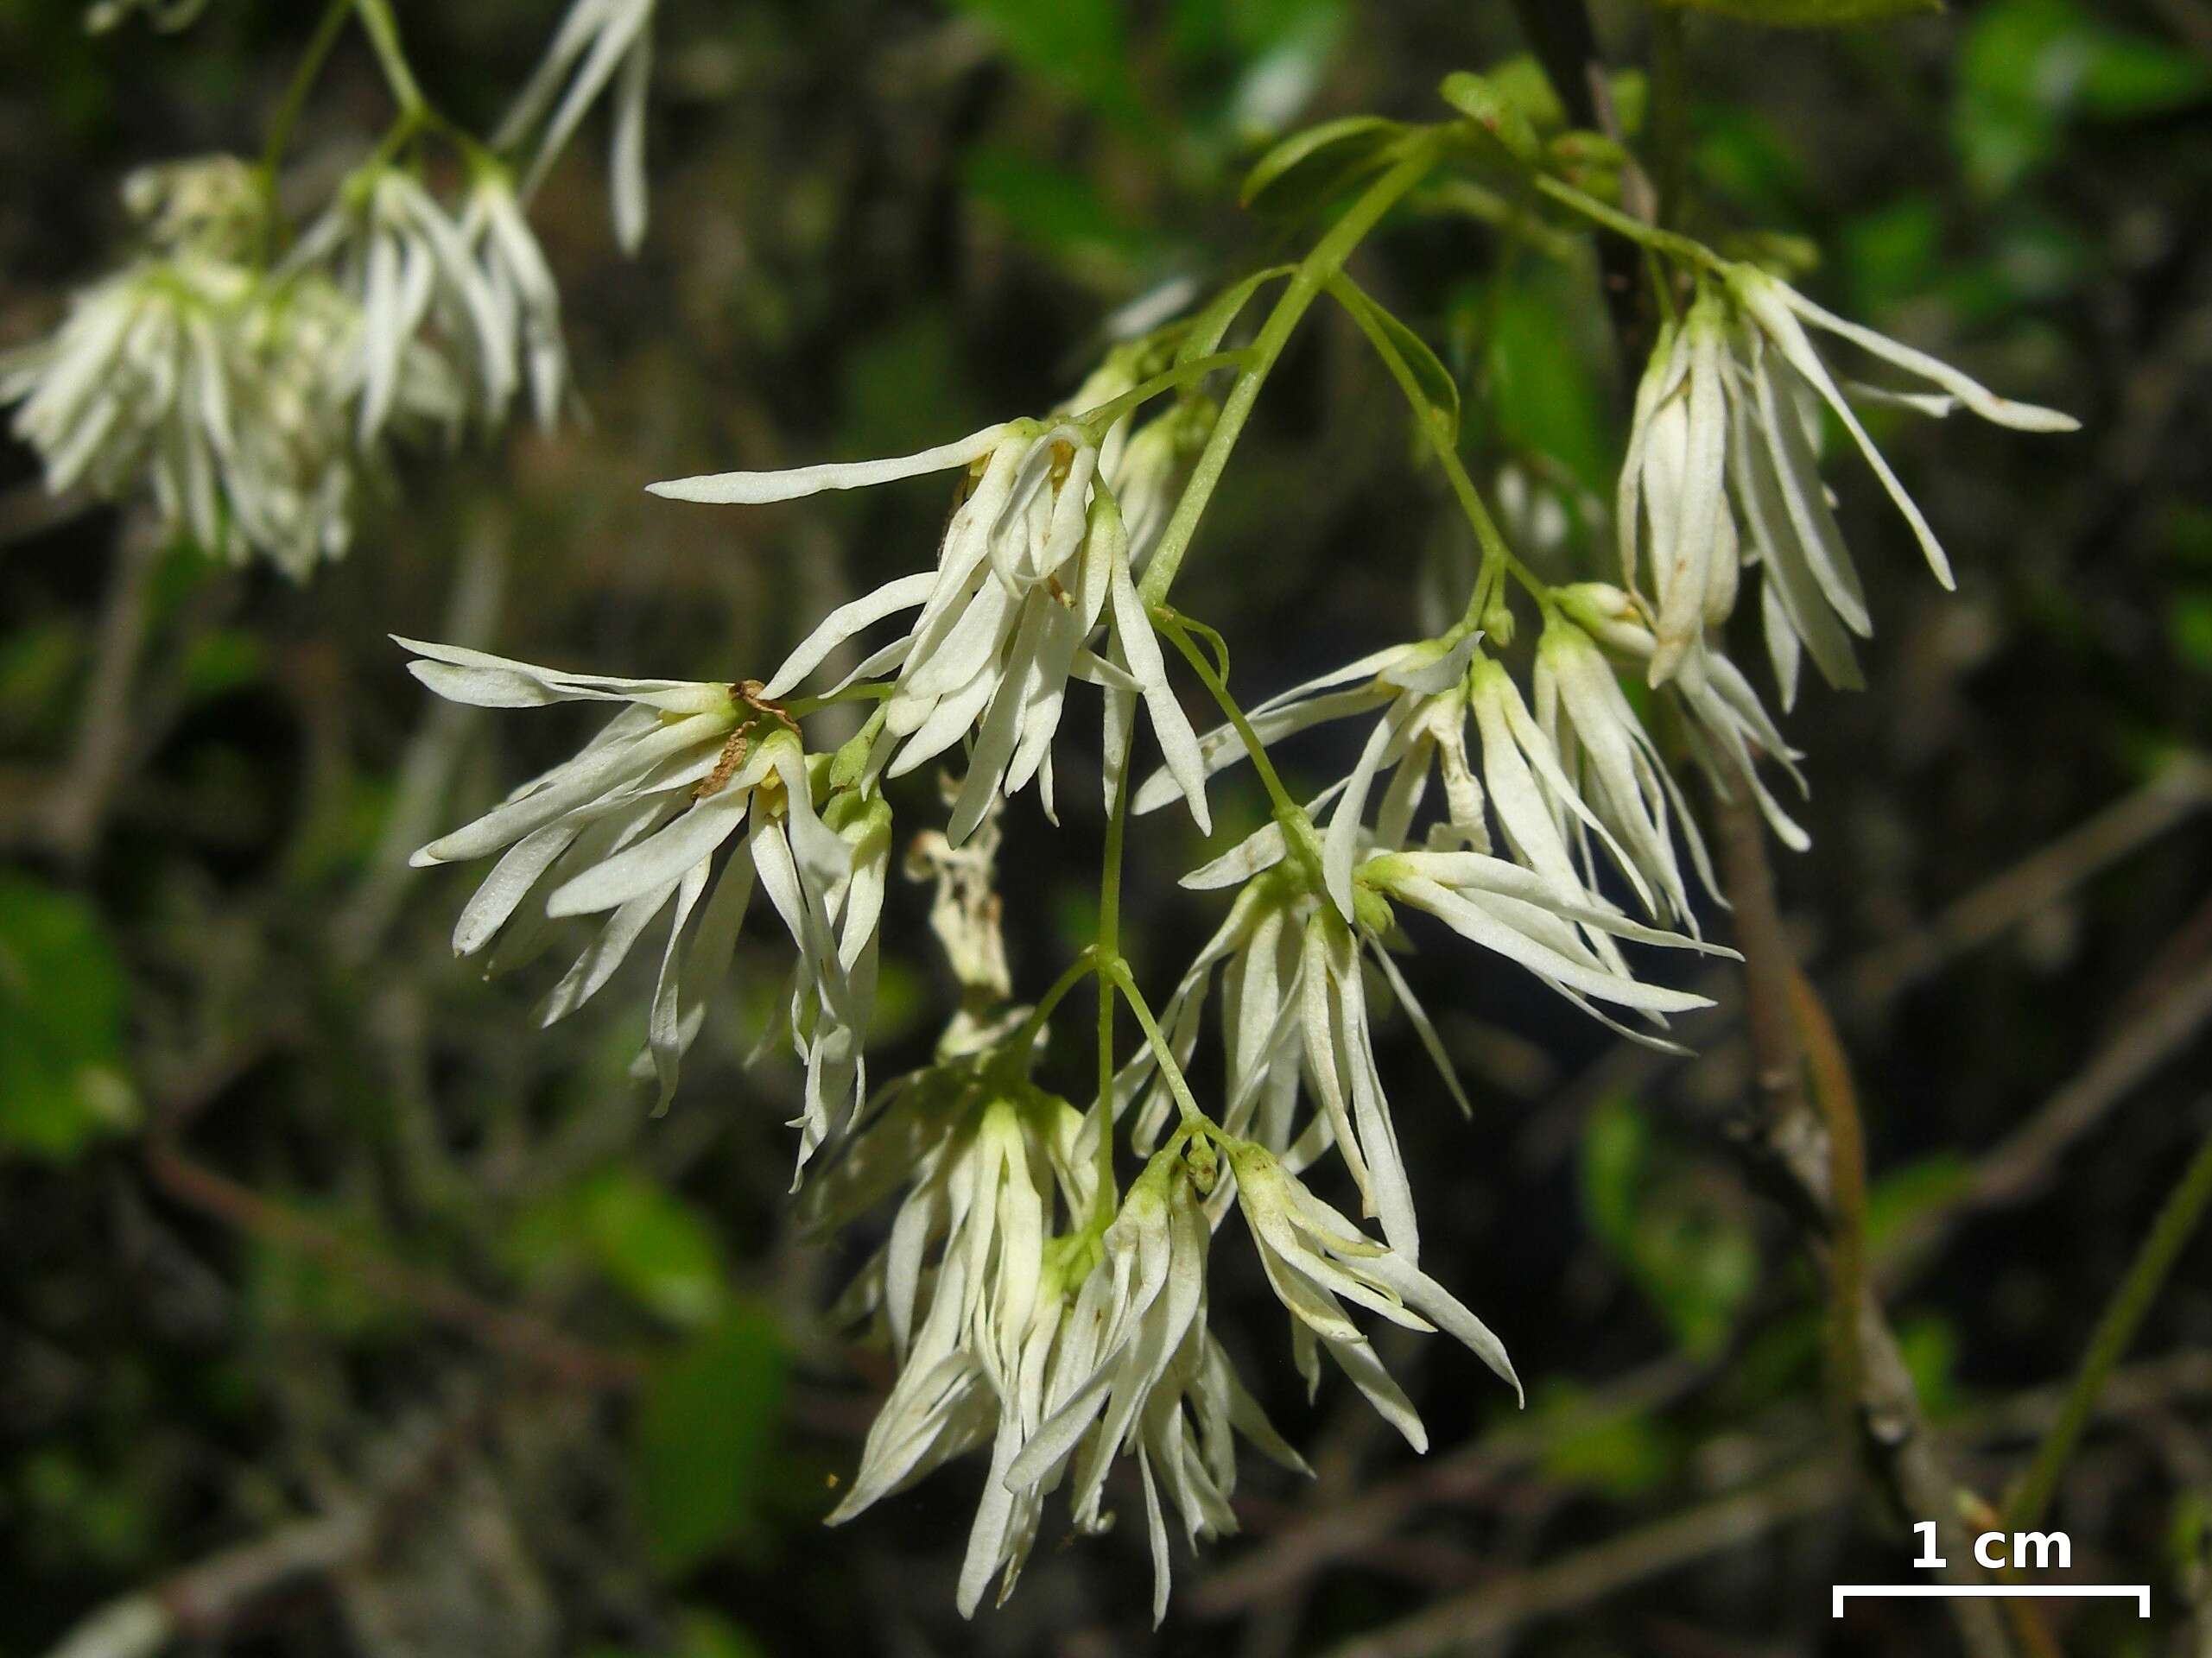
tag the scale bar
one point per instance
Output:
(2138, 1593)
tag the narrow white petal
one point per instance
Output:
(752, 487)
(842, 623)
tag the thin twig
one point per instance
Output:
(1580, 1578)
(2123, 1315)
(1561, 35)
(2021, 1163)
(1575, 1582)
(1786, 1148)
(201, 1602)
(505, 1330)
(78, 804)
(1340, 1528)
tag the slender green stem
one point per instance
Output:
(868, 691)
(1171, 626)
(1186, 1101)
(294, 101)
(1687, 250)
(1103, 417)
(1105, 960)
(383, 33)
(1031, 1028)
(2115, 1330)
(1487, 535)
(1327, 257)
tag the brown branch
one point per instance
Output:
(1786, 1148)
(200, 1600)
(1872, 979)
(73, 814)
(2177, 794)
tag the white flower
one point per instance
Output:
(631, 826)
(1399, 674)
(525, 299)
(1671, 486)
(410, 267)
(598, 42)
(1295, 1006)
(1723, 462)
(296, 477)
(834, 907)
(1567, 942)
(208, 204)
(1340, 1062)
(1032, 559)
(1548, 916)
(1313, 1256)
(140, 375)
(1135, 1371)
(1259, 952)
(975, 1365)
(223, 390)
(1728, 727)
(1602, 744)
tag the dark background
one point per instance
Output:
(300, 1217)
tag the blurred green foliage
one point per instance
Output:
(1683, 1242)
(62, 994)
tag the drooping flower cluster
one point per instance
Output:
(1041, 1314)
(1723, 469)
(634, 828)
(259, 397)
(1038, 559)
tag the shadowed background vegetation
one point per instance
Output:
(324, 1263)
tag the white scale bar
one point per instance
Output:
(2138, 1593)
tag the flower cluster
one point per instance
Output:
(1723, 471)
(259, 396)
(1042, 1315)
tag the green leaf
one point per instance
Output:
(1623, 1454)
(1930, 1346)
(1811, 14)
(1892, 253)
(1544, 371)
(1495, 114)
(62, 1000)
(1203, 336)
(1307, 167)
(1521, 82)
(224, 660)
(651, 1245)
(1679, 1239)
(704, 1444)
(1390, 338)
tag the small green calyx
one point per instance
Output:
(1371, 911)
(1203, 1164)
